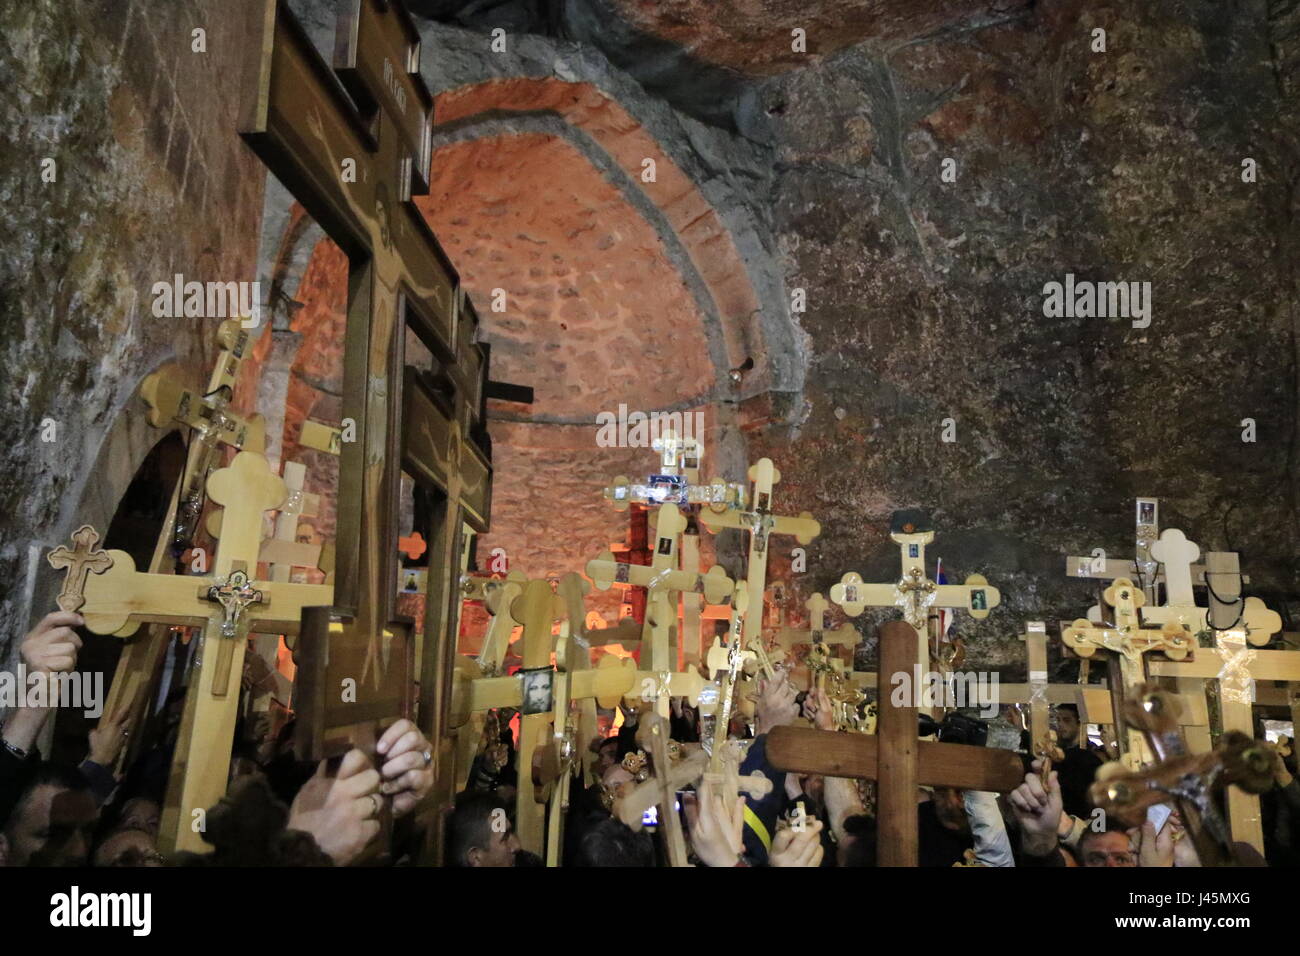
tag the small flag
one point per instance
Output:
(945, 614)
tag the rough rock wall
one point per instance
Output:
(151, 180)
(925, 297)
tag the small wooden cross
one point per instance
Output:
(761, 523)
(84, 559)
(894, 757)
(819, 637)
(914, 593)
(1131, 642)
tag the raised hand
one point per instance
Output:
(802, 847)
(52, 645)
(717, 833)
(1038, 809)
(1156, 849)
(109, 736)
(776, 705)
(817, 708)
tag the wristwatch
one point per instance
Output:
(15, 750)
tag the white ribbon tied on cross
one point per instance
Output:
(1235, 682)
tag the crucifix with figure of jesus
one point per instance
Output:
(914, 593)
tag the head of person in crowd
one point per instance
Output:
(610, 842)
(950, 808)
(606, 750)
(858, 847)
(140, 813)
(52, 823)
(127, 846)
(1108, 847)
(480, 833)
(1067, 725)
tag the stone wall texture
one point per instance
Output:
(152, 180)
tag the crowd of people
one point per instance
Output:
(279, 812)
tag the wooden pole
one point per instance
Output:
(896, 730)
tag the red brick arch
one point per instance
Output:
(697, 225)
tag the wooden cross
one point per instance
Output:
(577, 688)
(727, 661)
(464, 721)
(761, 524)
(1177, 556)
(1194, 782)
(206, 413)
(1041, 736)
(552, 767)
(121, 598)
(717, 495)
(283, 552)
(536, 609)
(84, 559)
(819, 637)
(914, 593)
(1143, 567)
(1235, 664)
(677, 481)
(356, 170)
(664, 684)
(661, 578)
(894, 757)
(1130, 642)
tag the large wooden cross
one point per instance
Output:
(914, 593)
(228, 603)
(356, 170)
(894, 757)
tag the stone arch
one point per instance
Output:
(728, 268)
(126, 445)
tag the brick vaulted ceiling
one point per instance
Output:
(595, 314)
